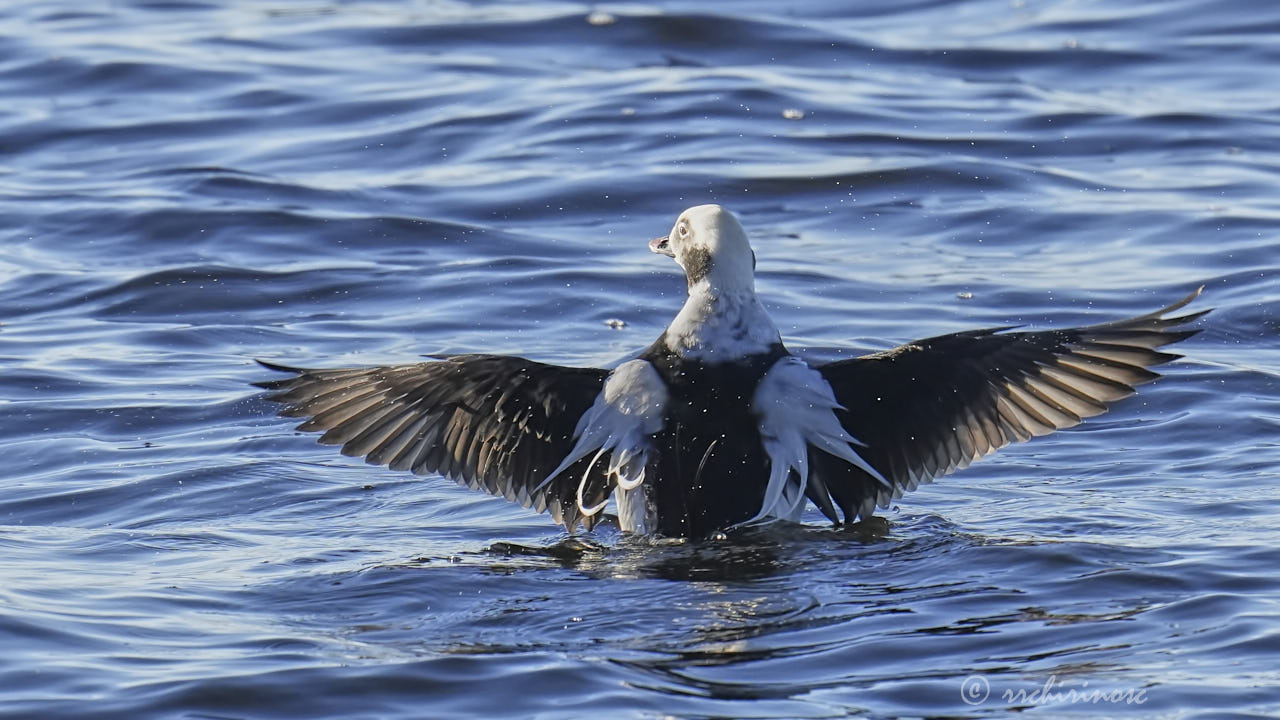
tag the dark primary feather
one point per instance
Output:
(933, 406)
(495, 423)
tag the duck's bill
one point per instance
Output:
(662, 246)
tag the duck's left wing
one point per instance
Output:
(496, 423)
(932, 406)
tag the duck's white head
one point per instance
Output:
(710, 244)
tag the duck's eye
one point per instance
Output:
(683, 230)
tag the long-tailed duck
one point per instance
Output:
(715, 424)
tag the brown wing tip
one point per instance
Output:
(1190, 317)
(1157, 321)
(1181, 304)
(280, 382)
(278, 367)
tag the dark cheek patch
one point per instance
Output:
(697, 263)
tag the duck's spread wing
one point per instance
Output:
(495, 423)
(930, 407)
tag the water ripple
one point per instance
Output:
(186, 186)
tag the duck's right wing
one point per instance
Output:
(496, 423)
(932, 406)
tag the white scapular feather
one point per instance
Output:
(633, 509)
(796, 409)
(625, 415)
(589, 511)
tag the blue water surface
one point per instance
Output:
(187, 185)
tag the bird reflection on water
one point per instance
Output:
(748, 608)
(747, 554)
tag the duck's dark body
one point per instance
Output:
(710, 468)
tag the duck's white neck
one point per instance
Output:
(718, 325)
